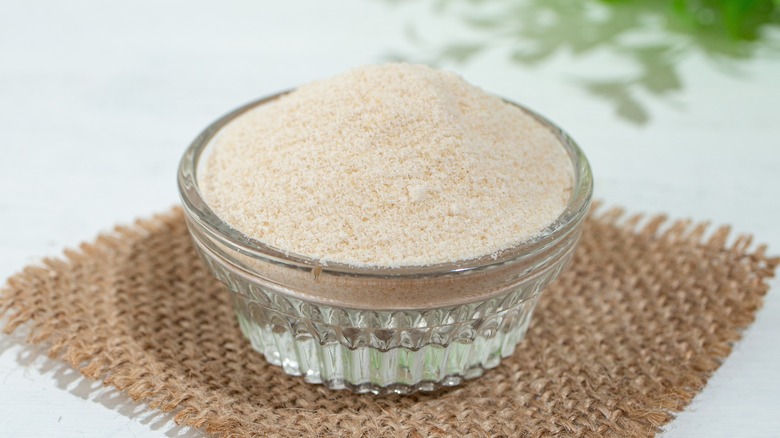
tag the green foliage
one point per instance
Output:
(736, 19)
(646, 39)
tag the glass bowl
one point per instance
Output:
(436, 325)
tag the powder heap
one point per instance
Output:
(388, 165)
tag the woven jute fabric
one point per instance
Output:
(625, 338)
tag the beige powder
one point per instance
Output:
(388, 165)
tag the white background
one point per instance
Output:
(99, 99)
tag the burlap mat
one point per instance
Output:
(626, 337)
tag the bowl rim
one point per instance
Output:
(197, 210)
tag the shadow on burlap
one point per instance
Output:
(625, 338)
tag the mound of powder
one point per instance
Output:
(388, 165)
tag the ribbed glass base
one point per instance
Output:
(383, 351)
(383, 361)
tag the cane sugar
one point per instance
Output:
(387, 166)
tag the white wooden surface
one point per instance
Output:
(99, 99)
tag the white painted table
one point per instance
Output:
(99, 99)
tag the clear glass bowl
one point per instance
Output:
(437, 325)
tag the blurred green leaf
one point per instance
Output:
(626, 105)
(462, 52)
(530, 32)
(735, 19)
